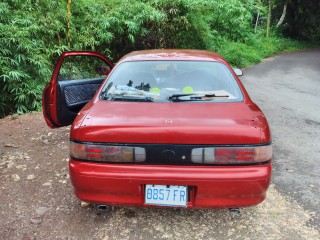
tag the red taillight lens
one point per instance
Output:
(231, 155)
(106, 153)
(93, 152)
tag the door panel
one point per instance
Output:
(73, 84)
(73, 95)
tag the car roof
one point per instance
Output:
(172, 54)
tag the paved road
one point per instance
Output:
(287, 89)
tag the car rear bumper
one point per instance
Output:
(209, 186)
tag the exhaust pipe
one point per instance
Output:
(235, 212)
(103, 208)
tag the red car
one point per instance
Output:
(171, 128)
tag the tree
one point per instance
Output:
(302, 19)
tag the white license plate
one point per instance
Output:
(166, 195)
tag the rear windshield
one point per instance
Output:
(163, 81)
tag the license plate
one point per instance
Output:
(166, 195)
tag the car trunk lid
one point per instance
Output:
(171, 123)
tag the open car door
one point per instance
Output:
(75, 80)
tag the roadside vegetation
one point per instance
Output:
(33, 33)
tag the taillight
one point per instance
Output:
(231, 155)
(107, 153)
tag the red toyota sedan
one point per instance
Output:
(171, 128)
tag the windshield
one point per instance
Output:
(163, 81)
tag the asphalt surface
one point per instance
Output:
(287, 89)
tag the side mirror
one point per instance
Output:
(238, 71)
(102, 70)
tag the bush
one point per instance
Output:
(27, 41)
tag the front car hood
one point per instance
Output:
(171, 123)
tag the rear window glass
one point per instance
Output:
(163, 81)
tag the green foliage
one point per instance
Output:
(119, 27)
(25, 58)
(249, 53)
(33, 33)
(302, 20)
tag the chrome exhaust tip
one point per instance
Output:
(103, 207)
(235, 212)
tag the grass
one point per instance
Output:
(246, 54)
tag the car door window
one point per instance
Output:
(78, 81)
(80, 67)
(75, 79)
